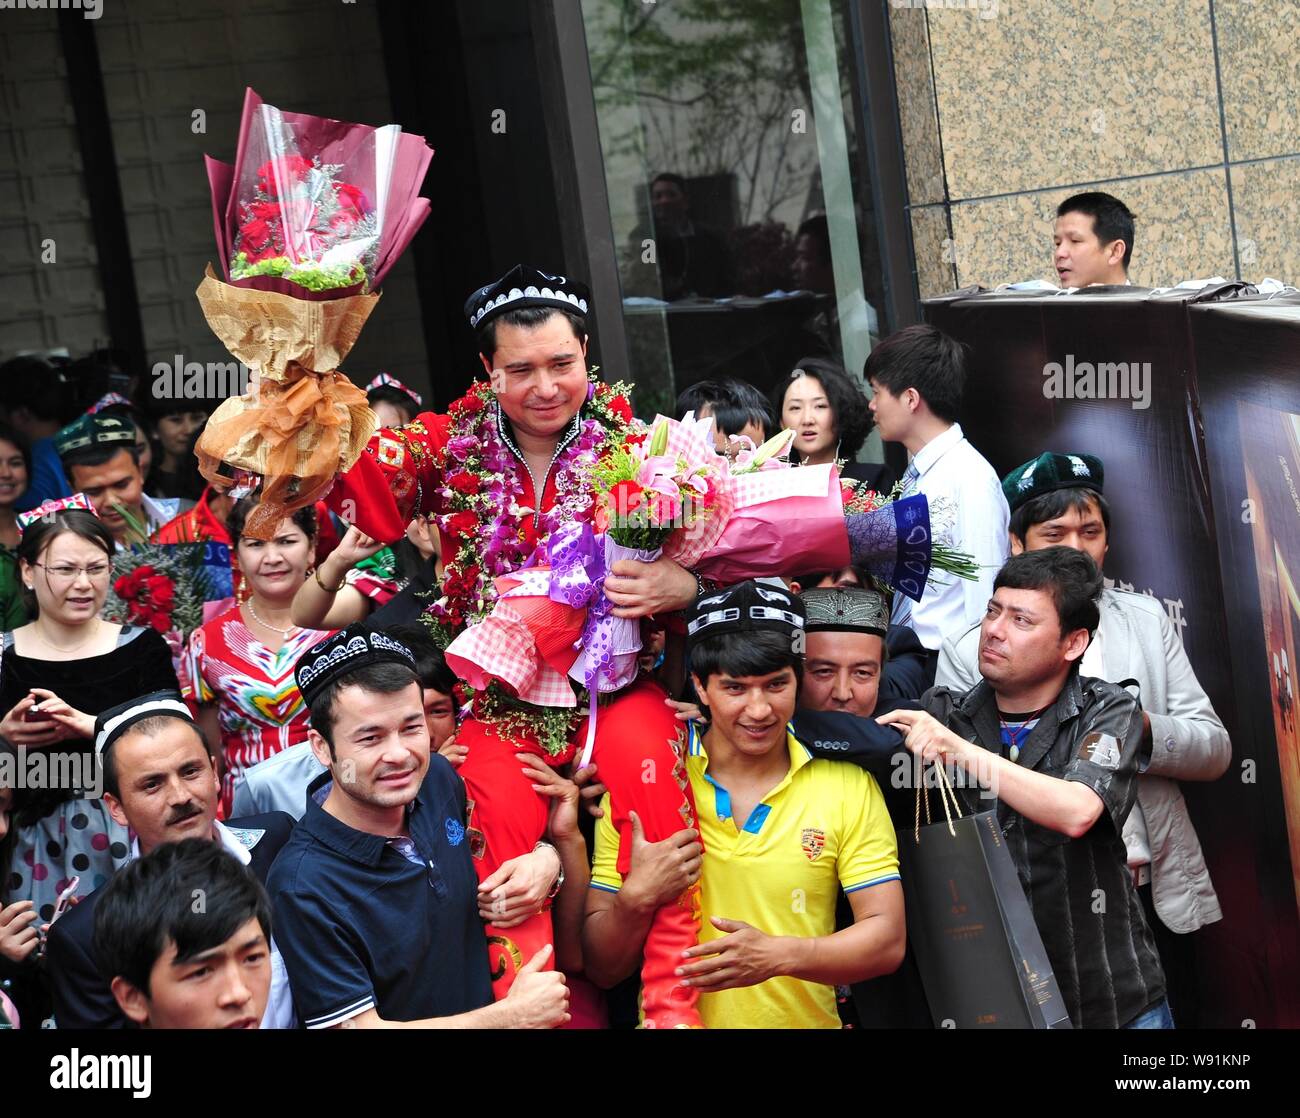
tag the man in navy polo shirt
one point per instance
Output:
(375, 897)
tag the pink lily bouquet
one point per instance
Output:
(767, 518)
(654, 483)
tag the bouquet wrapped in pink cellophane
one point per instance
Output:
(553, 618)
(309, 219)
(315, 207)
(770, 520)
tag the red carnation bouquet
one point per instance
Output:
(163, 586)
(149, 597)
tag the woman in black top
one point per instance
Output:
(177, 425)
(56, 674)
(831, 420)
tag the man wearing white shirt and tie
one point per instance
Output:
(917, 376)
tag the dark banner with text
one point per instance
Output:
(1120, 373)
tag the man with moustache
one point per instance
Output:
(522, 449)
(375, 895)
(160, 781)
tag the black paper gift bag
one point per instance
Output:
(981, 959)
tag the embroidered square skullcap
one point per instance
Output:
(1050, 472)
(846, 609)
(115, 721)
(89, 431)
(54, 506)
(747, 607)
(525, 286)
(343, 653)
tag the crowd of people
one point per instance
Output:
(373, 850)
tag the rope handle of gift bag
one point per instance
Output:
(946, 794)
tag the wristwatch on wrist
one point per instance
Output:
(703, 585)
(559, 879)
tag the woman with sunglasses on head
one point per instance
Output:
(56, 674)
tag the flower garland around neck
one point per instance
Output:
(483, 518)
(481, 493)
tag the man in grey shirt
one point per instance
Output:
(1057, 500)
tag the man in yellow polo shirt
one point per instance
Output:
(781, 831)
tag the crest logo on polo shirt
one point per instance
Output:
(455, 831)
(477, 840)
(247, 837)
(813, 842)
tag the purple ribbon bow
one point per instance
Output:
(578, 562)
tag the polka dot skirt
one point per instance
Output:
(78, 839)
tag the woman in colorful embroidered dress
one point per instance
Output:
(239, 672)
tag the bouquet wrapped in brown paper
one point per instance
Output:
(309, 219)
(303, 421)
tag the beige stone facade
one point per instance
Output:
(1184, 109)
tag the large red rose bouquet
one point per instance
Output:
(309, 219)
(323, 205)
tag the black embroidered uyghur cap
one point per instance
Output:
(525, 286)
(344, 652)
(94, 430)
(115, 721)
(747, 607)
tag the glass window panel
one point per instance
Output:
(740, 207)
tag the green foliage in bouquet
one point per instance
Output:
(311, 275)
(551, 727)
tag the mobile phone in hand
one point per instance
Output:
(64, 901)
(34, 715)
(61, 905)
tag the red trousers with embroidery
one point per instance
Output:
(639, 755)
